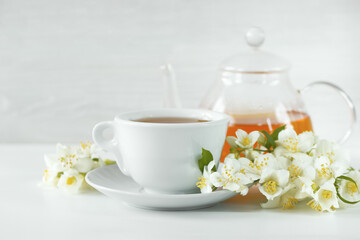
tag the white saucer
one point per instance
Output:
(110, 181)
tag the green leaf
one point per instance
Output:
(206, 158)
(95, 159)
(275, 134)
(337, 189)
(270, 141)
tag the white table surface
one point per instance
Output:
(27, 211)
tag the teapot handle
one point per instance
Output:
(347, 100)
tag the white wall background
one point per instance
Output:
(65, 65)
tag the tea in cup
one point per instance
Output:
(159, 149)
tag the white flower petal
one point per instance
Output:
(251, 172)
(323, 147)
(306, 141)
(321, 162)
(231, 165)
(206, 173)
(253, 137)
(83, 164)
(309, 172)
(243, 162)
(243, 179)
(210, 166)
(265, 175)
(282, 177)
(283, 162)
(217, 179)
(301, 159)
(280, 151)
(243, 190)
(306, 184)
(285, 135)
(326, 196)
(275, 203)
(50, 177)
(339, 168)
(265, 161)
(71, 181)
(272, 195)
(232, 186)
(241, 134)
(52, 162)
(300, 195)
(289, 140)
(206, 189)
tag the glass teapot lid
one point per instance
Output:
(255, 60)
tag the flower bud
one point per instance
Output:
(232, 141)
(262, 139)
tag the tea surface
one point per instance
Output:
(170, 120)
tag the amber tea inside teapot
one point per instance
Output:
(253, 87)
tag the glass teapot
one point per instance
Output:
(255, 90)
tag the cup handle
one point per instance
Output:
(347, 100)
(110, 145)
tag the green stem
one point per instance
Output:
(337, 182)
(259, 150)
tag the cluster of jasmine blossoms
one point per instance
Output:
(67, 168)
(287, 168)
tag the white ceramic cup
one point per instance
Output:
(163, 157)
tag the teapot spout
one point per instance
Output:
(170, 93)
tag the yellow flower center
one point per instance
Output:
(327, 194)
(230, 177)
(246, 141)
(46, 174)
(270, 187)
(291, 144)
(314, 205)
(259, 164)
(201, 183)
(289, 203)
(68, 160)
(324, 171)
(294, 171)
(351, 188)
(329, 155)
(252, 165)
(85, 145)
(71, 180)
